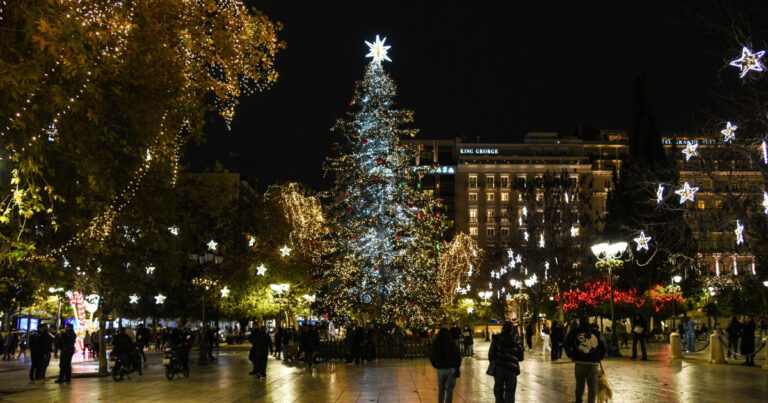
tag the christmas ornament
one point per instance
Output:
(378, 51)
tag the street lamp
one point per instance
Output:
(486, 295)
(610, 253)
(281, 289)
(206, 283)
(53, 290)
(675, 280)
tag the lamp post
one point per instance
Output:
(309, 299)
(53, 290)
(206, 283)
(675, 280)
(610, 253)
(281, 289)
(486, 295)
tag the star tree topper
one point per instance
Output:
(642, 241)
(378, 51)
(690, 150)
(686, 192)
(729, 133)
(748, 61)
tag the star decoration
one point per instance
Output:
(510, 253)
(729, 133)
(261, 270)
(470, 309)
(659, 194)
(739, 231)
(212, 245)
(574, 232)
(225, 292)
(748, 61)
(159, 299)
(251, 241)
(134, 299)
(150, 269)
(148, 156)
(765, 152)
(541, 241)
(174, 230)
(378, 51)
(686, 192)
(642, 241)
(285, 251)
(690, 150)
(525, 235)
(765, 202)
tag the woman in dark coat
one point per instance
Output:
(261, 346)
(748, 340)
(733, 329)
(446, 359)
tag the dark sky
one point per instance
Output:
(494, 69)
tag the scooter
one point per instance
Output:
(173, 364)
(122, 368)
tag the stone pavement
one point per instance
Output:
(657, 380)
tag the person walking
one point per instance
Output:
(529, 334)
(621, 331)
(556, 338)
(446, 359)
(278, 342)
(40, 345)
(261, 346)
(10, 343)
(748, 340)
(545, 341)
(310, 342)
(733, 329)
(639, 333)
(359, 341)
(690, 334)
(505, 354)
(469, 342)
(67, 344)
(586, 347)
(763, 325)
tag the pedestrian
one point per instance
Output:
(505, 354)
(40, 346)
(529, 334)
(469, 342)
(57, 343)
(261, 346)
(556, 338)
(748, 340)
(371, 341)
(278, 342)
(23, 345)
(586, 347)
(763, 325)
(446, 359)
(359, 341)
(67, 345)
(545, 341)
(690, 334)
(287, 336)
(11, 341)
(621, 331)
(639, 334)
(310, 342)
(95, 343)
(733, 329)
(86, 343)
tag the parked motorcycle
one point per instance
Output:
(121, 368)
(173, 364)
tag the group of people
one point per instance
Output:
(293, 345)
(42, 344)
(743, 330)
(360, 344)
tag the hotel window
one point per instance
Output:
(491, 232)
(473, 215)
(489, 181)
(473, 197)
(607, 183)
(473, 181)
(505, 232)
(718, 203)
(490, 197)
(521, 182)
(489, 215)
(520, 196)
(505, 197)
(539, 181)
(539, 196)
(701, 205)
(505, 181)
(473, 231)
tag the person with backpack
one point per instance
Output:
(446, 358)
(586, 347)
(505, 354)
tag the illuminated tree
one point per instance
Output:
(459, 264)
(384, 242)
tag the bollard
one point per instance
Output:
(675, 348)
(716, 350)
(765, 365)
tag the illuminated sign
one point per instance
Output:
(442, 170)
(685, 142)
(479, 151)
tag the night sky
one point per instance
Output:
(493, 69)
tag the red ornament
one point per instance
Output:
(399, 145)
(438, 214)
(351, 103)
(376, 176)
(346, 192)
(418, 215)
(341, 261)
(423, 148)
(365, 141)
(314, 280)
(352, 239)
(334, 148)
(410, 205)
(436, 269)
(311, 241)
(376, 268)
(389, 78)
(397, 236)
(357, 85)
(435, 229)
(379, 161)
(349, 211)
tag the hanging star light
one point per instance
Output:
(225, 292)
(690, 150)
(739, 231)
(574, 231)
(159, 299)
(510, 253)
(686, 192)
(659, 194)
(470, 309)
(148, 157)
(212, 245)
(542, 244)
(642, 241)
(378, 51)
(150, 269)
(285, 251)
(729, 133)
(748, 61)
(134, 299)
(765, 152)
(251, 241)
(174, 230)
(525, 235)
(261, 270)
(765, 202)
(567, 199)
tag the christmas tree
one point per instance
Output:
(384, 232)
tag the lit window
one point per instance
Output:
(473, 215)
(473, 181)
(489, 181)
(489, 215)
(520, 197)
(490, 197)
(701, 205)
(539, 196)
(505, 197)
(505, 181)
(607, 183)
(473, 231)
(505, 232)
(473, 197)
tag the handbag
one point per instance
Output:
(638, 329)
(491, 369)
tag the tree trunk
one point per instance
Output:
(102, 346)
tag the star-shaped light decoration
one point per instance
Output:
(510, 253)
(174, 230)
(659, 194)
(690, 150)
(542, 244)
(225, 292)
(567, 198)
(378, 51)
(285, 251)
(765, 202)
(729, 133)
(739, 231)
(574, 231)
(686, 192)
(470, 309)
(148, 156)
(134, 298)
(212, 245)
(251, 241)
(150, 269)
(525, 235)
(748, 61)
(159, 299)
(642, 241)
(261, 270)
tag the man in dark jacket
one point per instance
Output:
(586, 347)
(748, 340)
(359, 343)
(446, 359)
(310, 343)
(67, 345)
(733, 329)
(507, 350)
(40, 346)
(261, 346)
(557, 340)
(529, 334)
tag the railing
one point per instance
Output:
(416, 348)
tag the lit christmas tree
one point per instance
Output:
(385, 232)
